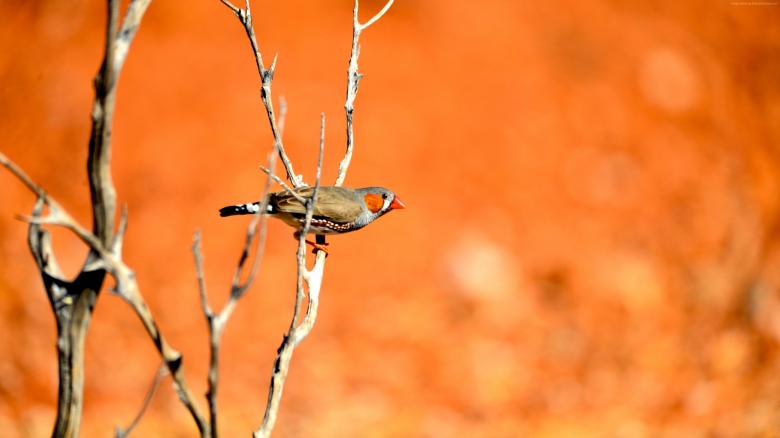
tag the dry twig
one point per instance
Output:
(266, 79)
(353, 79)
(218, 321)
(312, 278)
(158, 375)
(283, 184)
(73, 301)
(126, 285)
(297, 332)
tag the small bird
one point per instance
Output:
(337, 209)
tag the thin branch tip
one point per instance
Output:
(378, 15)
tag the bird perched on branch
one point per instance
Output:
(337, 210)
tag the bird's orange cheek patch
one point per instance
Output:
(374, 202)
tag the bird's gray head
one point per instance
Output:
(379, 200)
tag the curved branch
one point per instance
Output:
(353, 78)
(373, 19)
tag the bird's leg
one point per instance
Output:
(319, 245)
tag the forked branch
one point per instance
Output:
(126, 285)
(353, 80)
(74, 300)
(297, 332)
(217, 321)
(311, 279)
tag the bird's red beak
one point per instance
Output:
(396, 204)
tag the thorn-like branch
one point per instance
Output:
(266, 80)
(353, 79)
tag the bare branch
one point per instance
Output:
(296, 334)
(57, 216)
(101, 185)
(199, 272)
(375, 17)
(353, 78)
(284, 186)
(301, 256)
(217, 322)
(116, 246)
(232, 7)
(215, 330)
(158, 375)
(266, 79)
(23, 177)
(126, 287)
(259, 218)
(282, 113)
(73, 301)
(103, 193)
(60, 217)
(311, 279)
(131, 23)
(40, 246)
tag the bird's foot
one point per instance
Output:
(318, 246)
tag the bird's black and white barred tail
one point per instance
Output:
(233, 210)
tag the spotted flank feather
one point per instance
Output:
(324, 226)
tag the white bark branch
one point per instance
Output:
(353, 79)
(297, 333)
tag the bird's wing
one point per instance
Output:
(286, 202)
(334, 203)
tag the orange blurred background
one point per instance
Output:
(590, 246)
